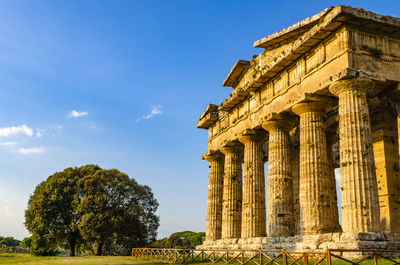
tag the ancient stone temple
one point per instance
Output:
(323, 94)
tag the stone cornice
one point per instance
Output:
(235, 98)
(236, 73)
(288, 34)
(348, 14)
(209, 116)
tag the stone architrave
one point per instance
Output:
(359, 199)
(253, 204)
(316, 213)
(232, 194)
(280, 182)
(214, 196)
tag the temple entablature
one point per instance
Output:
(302, 61)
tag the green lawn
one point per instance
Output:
(28, 259)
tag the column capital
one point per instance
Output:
(232, 147)
(313, 106)
(213, 156)
(278, 121)
(356, 84)
(253, 135)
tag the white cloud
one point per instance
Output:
(77, 114)
(8, 143)
(39, 132)
(33, 150)
(14, 130)
(155, 110)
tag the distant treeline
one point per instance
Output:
(185, 239)
(12, 242)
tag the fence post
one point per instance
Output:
(284, 257)
(328, 257)
(375, 259)
(305, 258)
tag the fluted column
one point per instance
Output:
(360, 205)
(232, 195)
(295, 166)
(214, 196)
(315, 204)
(253, 205)
(280, 183)
(331, 139)
(386, 156)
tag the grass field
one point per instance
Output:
(28, 259)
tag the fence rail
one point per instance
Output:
(5, 249)
(272, 257)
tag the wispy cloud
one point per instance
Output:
(56, 126)
(33, 150)
(8, 143)
(39, 132)
(77, 114)
(155, 110)
(15, 130)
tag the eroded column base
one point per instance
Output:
(351, 241)
(234, 244)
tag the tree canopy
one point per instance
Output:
(91, 208)
(26, 242)
(185, 239)
(9, 241)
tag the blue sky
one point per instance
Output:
(122, 84)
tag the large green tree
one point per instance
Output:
(51, 216)
(116, 210)
(89, 206)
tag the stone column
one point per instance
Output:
(315, 205)
(386, 156)
(253, 205)
(232, 195)
(280, 182)
(214, 196)
(331, 139)
(295, 167)
(360, 205)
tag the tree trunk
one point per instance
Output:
(72, 244)
(99, 249)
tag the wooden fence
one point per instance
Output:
(271, 257)
(5, 249)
